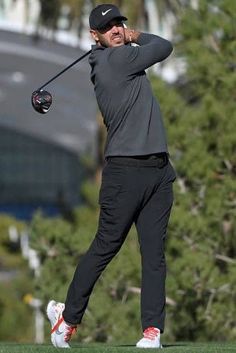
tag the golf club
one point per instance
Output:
(41, 100)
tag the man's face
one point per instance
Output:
(113, 35)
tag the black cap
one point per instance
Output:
(101, 15)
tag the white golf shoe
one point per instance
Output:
(61, 332)
(151, 338)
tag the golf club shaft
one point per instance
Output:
(67, 68)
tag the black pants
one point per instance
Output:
(132, 190)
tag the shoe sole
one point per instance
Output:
(50, 313)
(52, 319)
(160, 347)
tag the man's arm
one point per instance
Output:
(151, 49)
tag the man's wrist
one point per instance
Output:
(134, 35)
(131, 35)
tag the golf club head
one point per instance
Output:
(41, 101)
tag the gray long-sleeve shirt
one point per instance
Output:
(130, 111)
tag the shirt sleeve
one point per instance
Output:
(151, 49)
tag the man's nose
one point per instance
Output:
(115, 28)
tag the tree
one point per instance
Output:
(201, 119)
(16, 283)
(49, 14)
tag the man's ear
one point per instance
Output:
(94, 35)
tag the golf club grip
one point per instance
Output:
(67, 68)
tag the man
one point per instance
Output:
(137, 176)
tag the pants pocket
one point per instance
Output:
(112, 181)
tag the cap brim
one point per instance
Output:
(122, 18)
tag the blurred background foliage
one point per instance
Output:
(200, 116)
(134, 10)
(16, 321)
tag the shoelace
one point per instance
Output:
(69, 331)
(151, 333)
(59, 307)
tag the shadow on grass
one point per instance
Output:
(163, 345)
(175, 345)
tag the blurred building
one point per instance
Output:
(37, 174)
(40, 155)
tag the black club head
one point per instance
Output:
(41, 101)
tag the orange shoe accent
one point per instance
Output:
(151, 333)
(70, 330)
(57, 325)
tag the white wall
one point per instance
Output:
(16, 16)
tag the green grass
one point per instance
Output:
(105, 348)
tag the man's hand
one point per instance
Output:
(131, 36)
